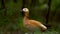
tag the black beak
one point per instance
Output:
(22, 12)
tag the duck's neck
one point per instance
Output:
(26, 18)
(25, 21)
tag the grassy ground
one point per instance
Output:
(47, 32)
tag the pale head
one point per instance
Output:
(25, 9)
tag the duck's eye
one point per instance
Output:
(25, 9)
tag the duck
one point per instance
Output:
(31, 24)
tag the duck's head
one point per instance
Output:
(25, 11)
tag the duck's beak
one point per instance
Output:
(22, 12)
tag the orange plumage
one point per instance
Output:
(31, 24)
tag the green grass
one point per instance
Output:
(47, 32)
